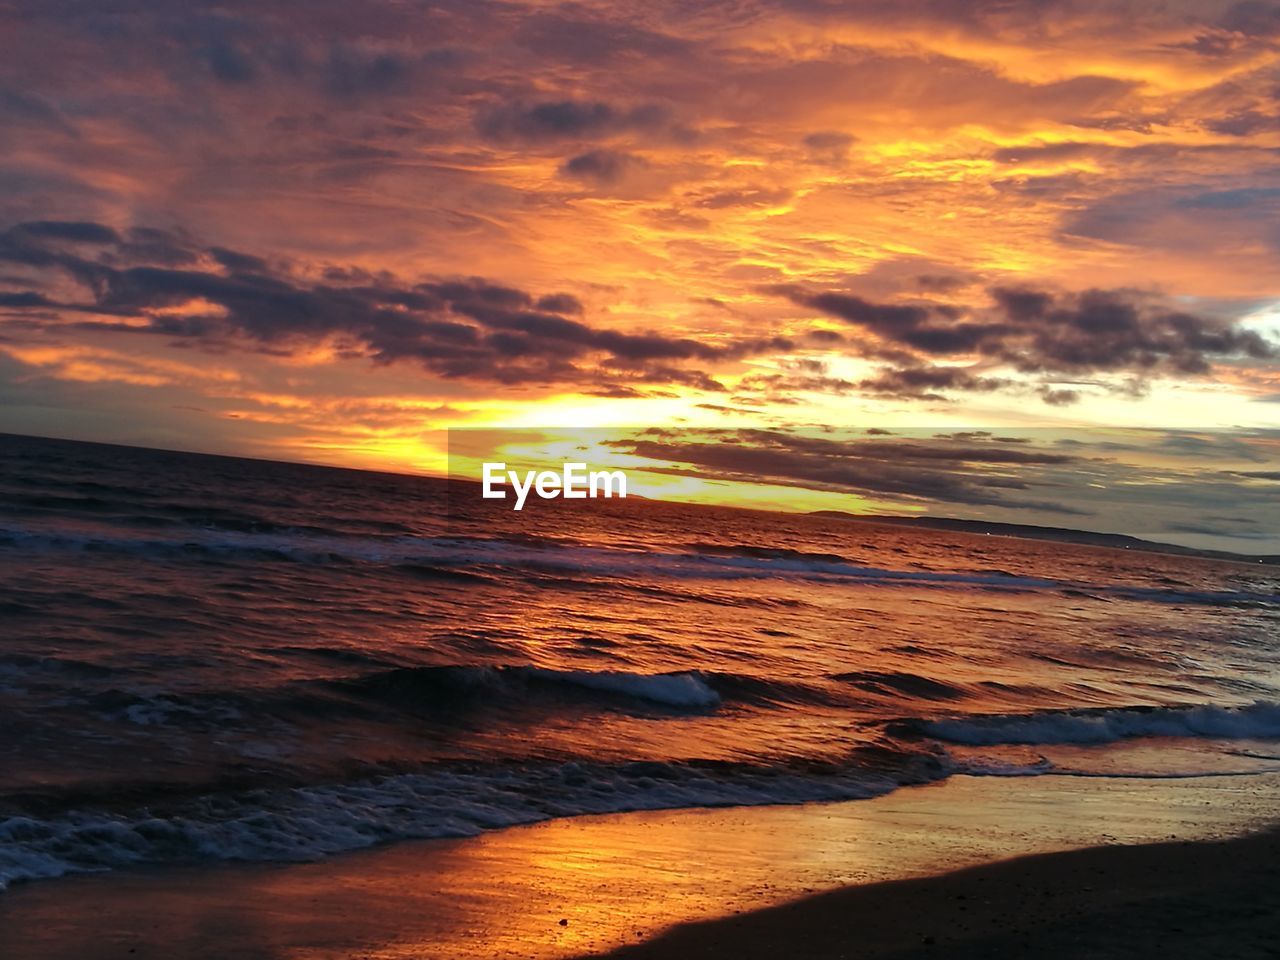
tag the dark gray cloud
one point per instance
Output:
(922, 383)
(1245, 123)
(1253, 18)
(1237, 199)
(1211, 446)
(1200, 218)
(22, 109)
(25, 298)
(829, 146)
(253, 124)
(956, 449)
(1101, 330)
(1057, 397)
(600, 166)
(74, 231)
(1244, 531)
(941, 470)
(984, 474)
(778, 385)
(572, 120)
(467, 328)
(927, 328)
(574, 36)
(1034, 331)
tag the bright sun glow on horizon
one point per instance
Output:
(335, 237)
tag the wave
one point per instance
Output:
(309, 823)
(291, 821)
(447, 695)
(762, 553)
(511, 684)
(505, 685)
(673, 689)
(135, 508)
(1259, 720)
(461, 558)
(896, 684)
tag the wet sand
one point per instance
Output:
(1187, 899)
(630, 878)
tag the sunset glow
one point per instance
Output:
(322, 233)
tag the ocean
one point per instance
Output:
(207, 659)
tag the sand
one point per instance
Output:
(1195, 900)
(630, 878)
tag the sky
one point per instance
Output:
(334, 232)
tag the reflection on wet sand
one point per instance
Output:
(612, 880)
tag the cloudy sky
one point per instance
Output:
(330, 231)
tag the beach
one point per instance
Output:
(975, 864)
(650, 480)
(1181, 899)
(248, 715)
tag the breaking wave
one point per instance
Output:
(1257, 720)
(309, 823)
(677, 690)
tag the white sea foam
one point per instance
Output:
(1256, 720)
(309, 823)
(993, 767)
(673, 689)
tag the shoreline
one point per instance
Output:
(1180, 899)
(617, 879)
